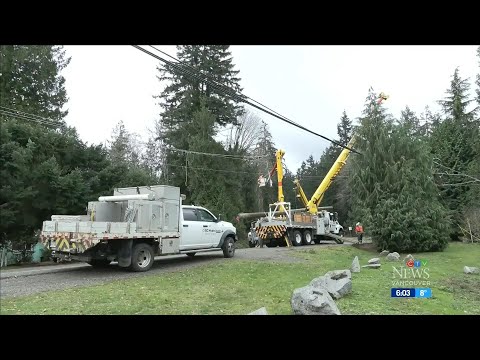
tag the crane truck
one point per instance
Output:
(284, 226)
(134, 225)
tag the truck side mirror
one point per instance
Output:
(219, 217)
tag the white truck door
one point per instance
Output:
(192, 230)
(211, 230)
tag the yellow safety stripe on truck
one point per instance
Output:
(277, 231)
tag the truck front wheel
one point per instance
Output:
(142, 257)
(228, 247)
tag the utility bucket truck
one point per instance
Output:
(134, 225)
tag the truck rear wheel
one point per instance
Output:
(228, 247)
(307, 237)
(297, 238)
(142, 257)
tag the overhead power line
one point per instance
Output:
(6, 111)
(183, 68)
(239, 157)
(214, 80)
(208, 169)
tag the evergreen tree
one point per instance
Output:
(457, 100)
(453, 144)
(410, 121)
(429, 122)
(477, 90)
(184, 102)
(394, 195)
(44, 172)
(344, 129)
(30, 79)
(472, 197)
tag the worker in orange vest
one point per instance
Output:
(359, 232)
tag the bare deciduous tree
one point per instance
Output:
(244, 136)
(471, 227)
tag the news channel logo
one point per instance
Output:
(411, 273)
(411, 263)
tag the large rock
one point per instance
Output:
(373, 266)
(393, 256)
(408, 257)
(355, 265)
(310, 300)
(374, 261)
(471, 270)
(261, 311)
(339, 274)
(384, 253)
(338, 283)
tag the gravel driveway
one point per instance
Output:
(32, 280)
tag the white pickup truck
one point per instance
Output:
(134, 225)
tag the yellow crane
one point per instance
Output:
(316, 199)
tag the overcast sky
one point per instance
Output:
(311, 85)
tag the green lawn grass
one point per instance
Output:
(241, 286)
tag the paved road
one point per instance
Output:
(34, 280)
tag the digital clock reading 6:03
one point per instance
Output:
(404, 293)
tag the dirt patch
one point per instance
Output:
(367, 246)
(466, 286)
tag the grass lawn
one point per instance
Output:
(241, 286)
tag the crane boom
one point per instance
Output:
(278, 164)
(327, 181)
(300, 192)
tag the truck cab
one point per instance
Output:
(333, 224)
(200, 229)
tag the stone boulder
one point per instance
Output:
(471, 270)
(261, 311)
(384, 253)
(408, 257)
(393, 256)
(338, 283)
(310, 300)
(374, 261)
(372, 266)
(355, 265)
